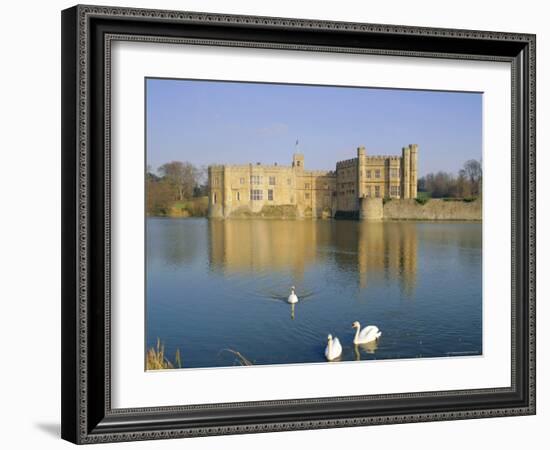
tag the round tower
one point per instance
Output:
(361, 164)
(215, 196)
(406, 178)
(371, 208)
(413, 178)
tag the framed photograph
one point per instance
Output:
(279, 224)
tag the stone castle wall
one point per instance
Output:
(434, 209)
(249, 189)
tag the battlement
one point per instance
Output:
(346, 163)
(248, 166)
(382, 157)
(320, 173)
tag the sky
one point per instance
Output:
(212, 122)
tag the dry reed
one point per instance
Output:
(240, 358)
(155, 359)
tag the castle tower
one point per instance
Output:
(406, 179)
(298, 161)
(361, 163)
(226, 195)
(413, 171)
(371, 209)
(216, 194)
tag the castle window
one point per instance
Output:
(377, 173)
(242, 180)
(272, 181)
(256, 194)
(307, 186)
(368, 191)
(368, 174)
(214, 199)
(377, 191)
(298, 163)
(394, 173)
(238, 196)
(270, 194)
(394, 191)
(255, 179)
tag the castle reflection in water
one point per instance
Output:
(363, 249)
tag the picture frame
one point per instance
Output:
(87, 35)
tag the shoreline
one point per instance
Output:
(372, 210)
(304, 219)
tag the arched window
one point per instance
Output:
(214, 199)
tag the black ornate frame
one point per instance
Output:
(87, 33)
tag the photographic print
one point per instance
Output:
(299, 224)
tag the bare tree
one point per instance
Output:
(473, 173)
(442, 184)
(463, 186)
(160, 196)
(202, 188)
(182, 176)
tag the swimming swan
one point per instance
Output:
(334, 349)
(368, 334)
(292, 298)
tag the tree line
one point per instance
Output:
(177, 188)
(465, 184)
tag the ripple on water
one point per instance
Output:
(421, 285)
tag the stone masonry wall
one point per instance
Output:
(434, 209)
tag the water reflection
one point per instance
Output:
(213, 285)
(359, 248)
(170, 243)
(369, 348)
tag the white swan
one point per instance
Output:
(292, 298)
(334, 349)
(368, 334)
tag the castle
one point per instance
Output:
(356, 186)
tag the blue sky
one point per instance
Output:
(207, 122)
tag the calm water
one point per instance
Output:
(218, 285)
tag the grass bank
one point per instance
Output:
(194, 207)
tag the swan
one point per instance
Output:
(292, 298)
(334, 349)
(368, 334)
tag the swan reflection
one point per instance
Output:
(369, 348)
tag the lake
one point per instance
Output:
(214, 286)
